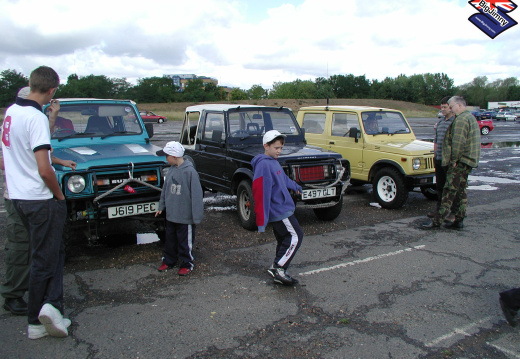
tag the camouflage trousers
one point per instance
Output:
(454, 197)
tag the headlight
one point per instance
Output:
(416, 163)
(76, 183)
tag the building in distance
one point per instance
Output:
(181, 80)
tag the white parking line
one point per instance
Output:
(504, 350)
(369, 259)
(464, 331)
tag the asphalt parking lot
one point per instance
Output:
(373, 285)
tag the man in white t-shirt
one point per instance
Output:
(36, 195)
(17, 241)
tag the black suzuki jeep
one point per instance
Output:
(222, 139)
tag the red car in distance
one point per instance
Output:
(486, 126)
(149, 116)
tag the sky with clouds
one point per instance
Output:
(249, 42)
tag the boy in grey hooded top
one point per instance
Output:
(182, 198)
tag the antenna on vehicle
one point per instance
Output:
(327, 107)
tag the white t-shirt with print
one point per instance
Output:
(25, 129)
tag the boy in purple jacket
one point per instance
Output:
(274, 204)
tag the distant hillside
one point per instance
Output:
(174, 111)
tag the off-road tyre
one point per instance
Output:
(389, 189)
(246, 205)
(329, 213)
(430, 192)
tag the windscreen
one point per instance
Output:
(79, 120)
(384, 122)
(255, 123)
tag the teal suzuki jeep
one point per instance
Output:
(117, 182)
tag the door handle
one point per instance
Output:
(331, 142)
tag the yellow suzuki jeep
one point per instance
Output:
(380, 146)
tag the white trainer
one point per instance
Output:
(52, 319)
(37, 331)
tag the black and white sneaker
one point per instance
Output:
(280, 276)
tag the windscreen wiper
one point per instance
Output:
(403, 130)
(75, 134)
(116, 133)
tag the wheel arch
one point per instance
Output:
(239, 175)
(382, 164)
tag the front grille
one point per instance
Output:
(107, 181)
(309, 174)
(429, 163)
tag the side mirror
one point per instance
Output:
(354, 133)
(149, 129)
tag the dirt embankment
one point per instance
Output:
(175, 110)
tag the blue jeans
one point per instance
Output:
(440, 176)
(44, 220)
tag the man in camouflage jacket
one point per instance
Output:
(460, 153)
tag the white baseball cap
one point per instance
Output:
(24, 92)
(172, 148)
(271, 135)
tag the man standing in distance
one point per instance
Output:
(36, 195)
(461, 153)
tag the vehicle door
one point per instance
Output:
(346, 139)
(316, 129)
(211, 163)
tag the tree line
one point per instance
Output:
(425, 89)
